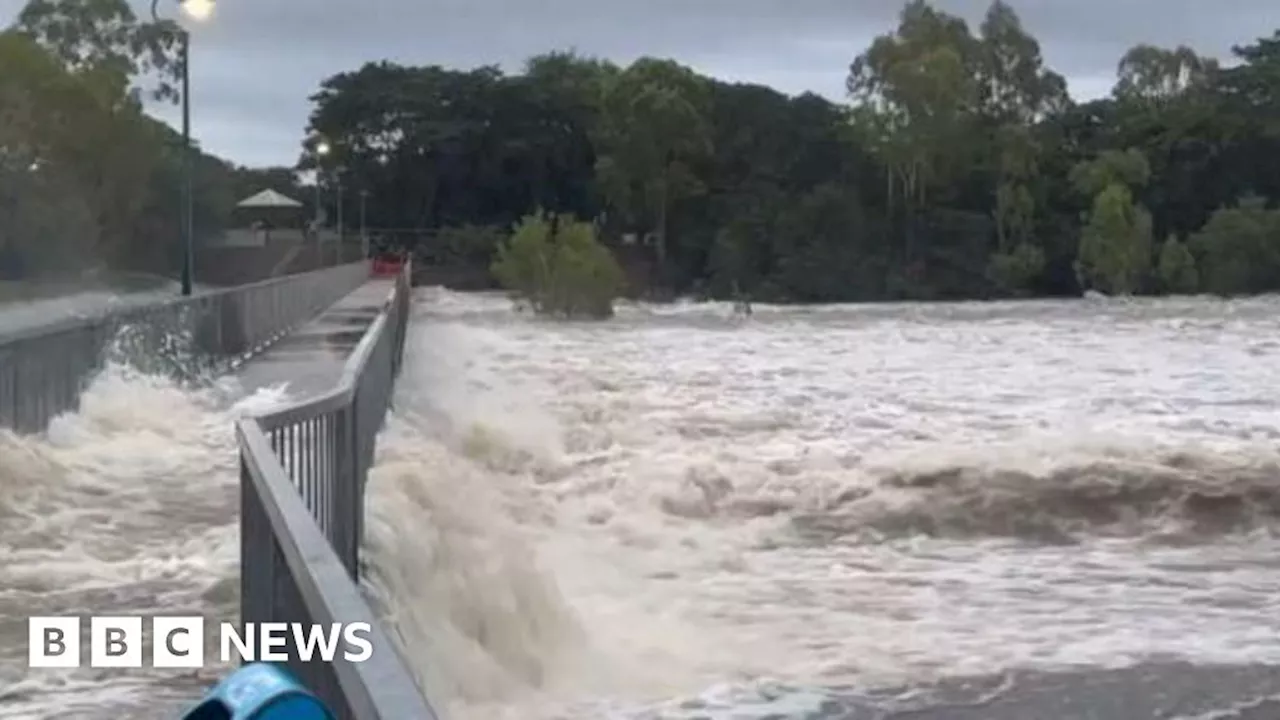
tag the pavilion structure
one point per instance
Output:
(268, 211)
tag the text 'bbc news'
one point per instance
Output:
(179, 642)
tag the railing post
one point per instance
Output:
(348, 487)
(257, 567)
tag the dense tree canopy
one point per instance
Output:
(88, 180)
(959, 167)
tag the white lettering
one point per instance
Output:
(306, 642)
(273, 637)
(351, 634)
(53, 642)
(115, 642)
(178, 642)
(244, 645)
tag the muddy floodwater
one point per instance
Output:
(825, 511)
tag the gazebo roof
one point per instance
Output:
(269, 199)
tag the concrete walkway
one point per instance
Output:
(309, 360)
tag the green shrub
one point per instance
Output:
(1115, 244)
(1177, 268)
(1239, 249)
(556, 265)
(1013, 272)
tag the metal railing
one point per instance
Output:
(302, 480)
(45, 369)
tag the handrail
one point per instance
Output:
(78, 321)
(378, 688)
(343, 392)
(44, 369)
(303, 472)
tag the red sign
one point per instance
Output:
(387, 268)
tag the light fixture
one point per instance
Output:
(198, 9)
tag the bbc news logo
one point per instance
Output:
(178, 642)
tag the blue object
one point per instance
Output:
(259, 691)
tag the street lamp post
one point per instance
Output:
(322, 151)
(337, 253)
(197, 10)
(364, 226)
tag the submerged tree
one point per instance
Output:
(556, 265)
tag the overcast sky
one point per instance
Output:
(256, 61)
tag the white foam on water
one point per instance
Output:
(128, 506)
(673, 514)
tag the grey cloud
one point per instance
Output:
(256, 61)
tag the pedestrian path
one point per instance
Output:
(310, 359)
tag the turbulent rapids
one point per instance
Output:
(684, 514)
(126, 507)
(1158, 494)
(812, 513)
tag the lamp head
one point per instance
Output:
(322, 149)
(198, 9)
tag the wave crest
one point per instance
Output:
(1170, 495)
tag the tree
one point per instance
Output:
(1015, 206)
(555, 264)
(959, 168)
(1239, 249)
(1115, 245)
(1015, 88)
(917, 87)
(565, 94)
(1016, 91)
(67, 109)
(1156, 75)
(44, 224)
(436, 147)
(468, 244)
(49, 119)
(1249, 103)
(652, 138)
(1014, 271)
(1126, 168)
(105, 40)
(826, 244)
(1177, 268)
(742, 257)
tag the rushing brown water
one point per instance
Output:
(680, 513)
(127, 507)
